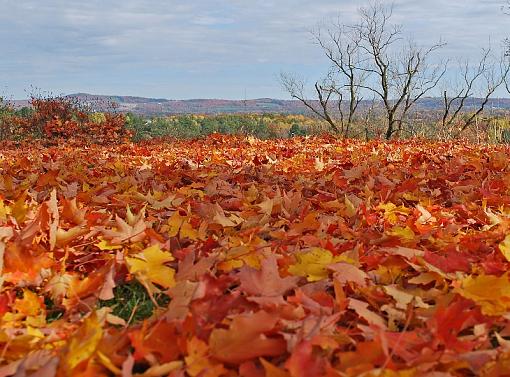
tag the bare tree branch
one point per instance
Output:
(295, 88)
(402, 78)
(453, 106)
(494, 76)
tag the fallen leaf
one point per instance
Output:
(149, 266)
(246, 338)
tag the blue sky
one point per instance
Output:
(204, 48)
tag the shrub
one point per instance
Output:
(296, 130)
(63, 118)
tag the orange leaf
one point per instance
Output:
(246, 338)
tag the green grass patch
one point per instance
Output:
(132, 303)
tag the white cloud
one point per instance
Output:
(170, 48)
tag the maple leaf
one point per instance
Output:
(392, 212)
(303, 362)
(448, 321)
(198, 361)
(179, 225)
(406, 234)
(182, 294)
(351, 209)
(361, 308)
(77, 287)
(152, 340)
(125, 232)
(221, 219)
(64, 237)
(72, 213)
(29, 309)
(425, 216)
(309, 223)
(492, 293)
(189, 270)
(24, 266)
(363, 304)
(82, 345)
(346, 272)
(266, 206)
(267, 280)
(246, 339)
(149, 266)
(105, 245)
(313, 264)
(59, 284)
(403, 299)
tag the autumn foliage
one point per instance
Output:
(298, 257)
(64, 119)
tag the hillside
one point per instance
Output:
(162, 106)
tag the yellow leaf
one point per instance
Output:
(84, 343)
(313, 264)
(19, 210)
(504, 247)
(391, 211)
(187, 231)
(36, 333)
(149, 265)
(4, 211)
(175, 222)
(492, 293)
(105, 245)
(405, 234)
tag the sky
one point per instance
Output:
(228, 49)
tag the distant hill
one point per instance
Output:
(162, 106)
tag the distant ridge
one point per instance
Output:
(162, 106)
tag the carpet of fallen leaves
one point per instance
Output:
(299, 257)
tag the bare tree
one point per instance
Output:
(341, 84)
(485, 77)
(370, 56)
(402, 76)
(341, 46)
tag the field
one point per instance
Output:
(234, 256)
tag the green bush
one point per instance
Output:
(195, 126)
(296, 130)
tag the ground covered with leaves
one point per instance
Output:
(233, 256)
